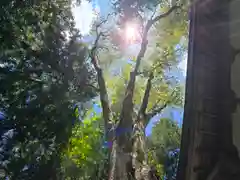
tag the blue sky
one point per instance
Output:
(84, 16)
(86, 13)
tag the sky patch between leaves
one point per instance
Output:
(84, 15)
(87, 12)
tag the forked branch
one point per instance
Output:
(156, 111)
(101, 83)
(149, 24)
(127, 105)
(158, 108)
(152, 21)
(161, 16)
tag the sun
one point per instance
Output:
(131, 33)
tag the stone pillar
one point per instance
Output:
(235, 70)
(207, 118)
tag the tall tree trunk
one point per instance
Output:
(124, 133)
(106, 110)
(140, 150)
(121, 167)
(140, 160)
(140, 156)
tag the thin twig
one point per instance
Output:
(157, 18)
(161, 16)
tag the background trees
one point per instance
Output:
(51, 82)
(43, 74)
(164, 144)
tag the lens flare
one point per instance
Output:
(131, 33)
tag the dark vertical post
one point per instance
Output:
(188, 109)
(207, 120)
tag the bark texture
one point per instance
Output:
(207, 151)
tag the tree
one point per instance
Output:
(164, 144)
(86, 154)
(125, 129)
(43, 75)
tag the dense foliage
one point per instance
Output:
(164, 144)
(43, 74)
(86, 154)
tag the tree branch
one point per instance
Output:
(99, 35)
(142, 111)
(161, 16)
(156, 110)
(101, 83)
(144, 36)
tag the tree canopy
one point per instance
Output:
(44, 73)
